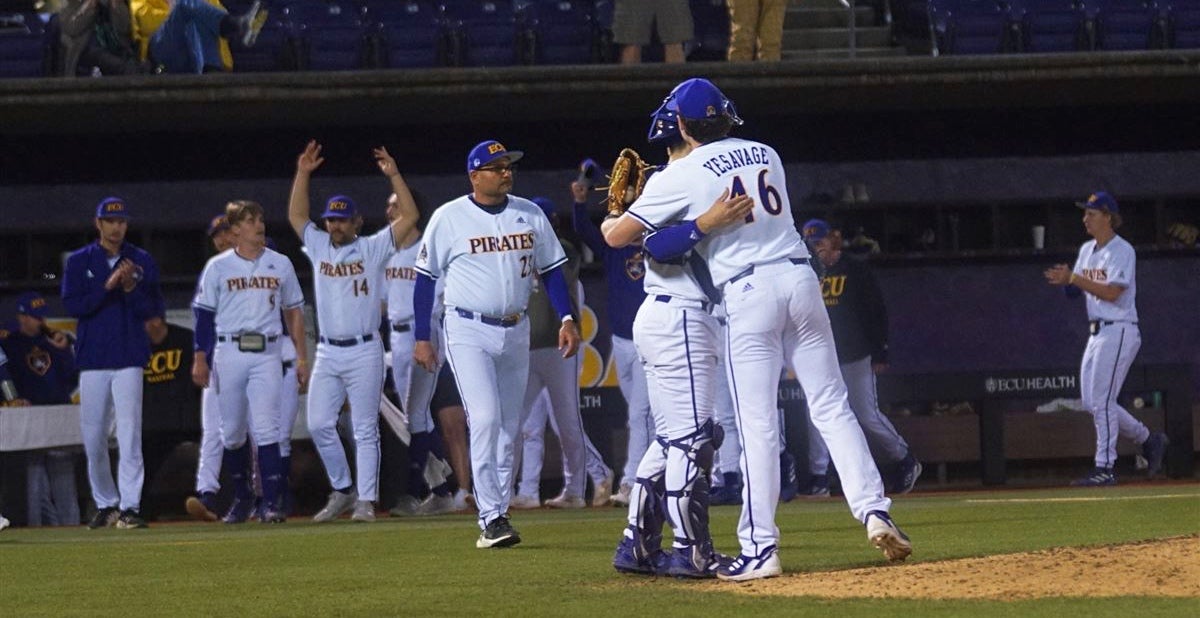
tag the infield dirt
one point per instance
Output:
(1161, 568)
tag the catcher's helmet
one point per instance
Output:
(664, 127)
(698, 98)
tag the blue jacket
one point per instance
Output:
(111, 333)
(624, 270)
(42, 373)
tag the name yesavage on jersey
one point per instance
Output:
(745, 168)
(488, 260)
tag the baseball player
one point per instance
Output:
(775, 313)
(414, 385)
(489, 245)
(1106, 272)
(624, 269)
(203, 505)
(347, 269)
(111, 287)
(237, 309)
(858, 318)
(678, 338)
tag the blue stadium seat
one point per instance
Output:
(275, 49)
(710, 19)
(332, 35)
(1184, 19)
(1127, 24)
(407, 33)
(485, 33)
(21, 45)
(1051, 25)
(969, 26)
(564, 31)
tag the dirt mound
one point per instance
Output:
(1163, 567)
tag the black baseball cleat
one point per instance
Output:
(103, 518)
(498, 533)
(130, 519)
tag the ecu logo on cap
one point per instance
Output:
(338, 205)
(37, 303)
(710, 111)
(494, 148)
(114, 207)
(1092, 198)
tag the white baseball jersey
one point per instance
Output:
(743, 167)
(346, 280)
(674, 279)
(401, 277)
(1115, 264)
(476, 251)
(235, 288)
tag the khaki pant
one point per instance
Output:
(756, 23)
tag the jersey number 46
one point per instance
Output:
(768, 195)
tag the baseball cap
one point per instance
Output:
(1102, 201)
(545, 204)
(815, 229)
(218, 224)
(339, 207)
(32, 304)
(698, 98)
(112, 208)
(487, 151)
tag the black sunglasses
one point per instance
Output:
(499, 169)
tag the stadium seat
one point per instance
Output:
(1127, 24)
(21, 45)
(274, 50)
(406, 33)
(1184, 19)
(486, 33)
(710, 19)
(1051, 25)
(331, 35)
(564, 31)
(968, 27)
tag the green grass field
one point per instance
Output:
(411, 567)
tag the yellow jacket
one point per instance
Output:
(148, 15)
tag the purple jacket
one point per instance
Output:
(111, 333)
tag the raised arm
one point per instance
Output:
(408, 213)
(583, 223)
(298, 206)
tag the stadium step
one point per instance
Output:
(821, 29)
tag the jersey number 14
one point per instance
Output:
(360, 287)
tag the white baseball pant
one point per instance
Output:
(631, 378)
(491, 367)
(248, 386)
(776, 312)
(353, 373)
(1106, 361)
(105, 395)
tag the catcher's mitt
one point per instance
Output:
(629, 173)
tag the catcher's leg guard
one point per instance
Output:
(689, 461)
(647, 499)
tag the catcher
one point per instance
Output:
(679, 339)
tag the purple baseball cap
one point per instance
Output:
(339, 207)
(815, 229)
(1101, 201)
(490, 150)
(112, 208)
(32, 304)
(218, 224)
(545, 204)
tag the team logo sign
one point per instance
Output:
(38, 361)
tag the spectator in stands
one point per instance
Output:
(189, 36)
(634, 21)
(45, 374)
(756, 29)
(96, 34)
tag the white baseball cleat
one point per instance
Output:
(4, 523)
(745, 568)
(406, 506)
(621, 498)
(886, 536)
(603, 490)
(338, 504)
(364, 511)
(563, 501)
(436, 505)
(521, 501)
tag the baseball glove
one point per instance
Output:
(629, 174)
